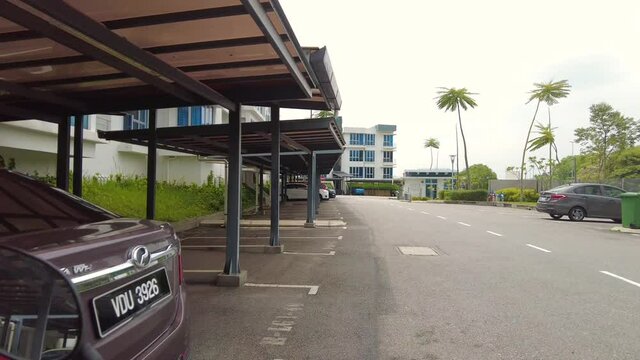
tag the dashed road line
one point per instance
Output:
(424, 212)
(538, 248)
(463, 224)
(620, 278)
(494, 233)
(330, 253)
(442, 217)
(410, 209)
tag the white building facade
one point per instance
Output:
(31, 146)
(426, 183)
(370, 153)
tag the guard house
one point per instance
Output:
(427, 183)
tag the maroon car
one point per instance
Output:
(127, 272)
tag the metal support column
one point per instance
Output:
(318, 191)
(311, 195)
(274, 238)
(284, 186)
(77, 155)
(261, 190)
(232, 265)
(151, 166)
(62, 162)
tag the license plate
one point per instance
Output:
(543, 199)
(115, 308)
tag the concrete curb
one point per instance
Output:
(188, 224)
(283, 223)
(478, 203)
(625, 230)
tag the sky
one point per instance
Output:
(390, 58)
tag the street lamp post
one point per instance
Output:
(453, 159)
(575, 173)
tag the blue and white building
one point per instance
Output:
(370, 153)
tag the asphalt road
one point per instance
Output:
(506, 284)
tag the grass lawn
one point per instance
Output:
(174, 202)
(532, 204)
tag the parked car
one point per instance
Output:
(578, 201)
(329, 187)
(128, 272)
(298, 191)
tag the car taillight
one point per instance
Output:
(557, 197)
(180, 270)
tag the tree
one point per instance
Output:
(452, 99)
(610, 131)
(626, 163)
(548, 93)
(545, 137)
(480, 175)
(324, 114)
(431, 143)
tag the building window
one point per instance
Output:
(369, 172)
(369, 139)
(85, 121)
(388, 140)
(195, 115)
(356, 139)
(387, 156)
(387, 173)
(356, 172)
(134, 120)
(369, 156)
(355, 155)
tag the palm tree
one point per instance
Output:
(324, 114)
(452, 99)
(549, 93)
(431, 143)
(545, 137)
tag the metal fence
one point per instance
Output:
(632, 185)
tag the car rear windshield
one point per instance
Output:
(29, 205)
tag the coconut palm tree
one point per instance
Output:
(548, 93)
(452, 99)
(545, 137)
(431, 143)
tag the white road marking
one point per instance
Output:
(442, 217)
(202, 271)
(410, 209)
(260, 237)
(494, 233)
(340, 237)
(620, 278)
(330, 253)
(313, 289)
(463, 224)
(424, 212)
(538, 248)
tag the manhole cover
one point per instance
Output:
(417, 250)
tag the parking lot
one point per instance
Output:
(503, 284)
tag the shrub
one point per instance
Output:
(464, 195)
(420, 198)
(513, 194)
(374, 186)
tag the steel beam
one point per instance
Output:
(44, 96)
(62, 162)
(261, 18)
(261, 190)
(311, 196)
(274, 237)
(232, 265)
(78, 153)
(152, 148)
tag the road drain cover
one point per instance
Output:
(417, 250)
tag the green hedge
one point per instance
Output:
(463, 195)
(420, 198)
(513, 194)
(374, 186)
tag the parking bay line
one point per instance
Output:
(442, 217)
(463, 224)
(330, 253)
(313, 289)
(424, 212)
(538, 248)
(620, 278)
(494, 233)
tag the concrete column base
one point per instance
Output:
(231, 280)
(274, 249)
(309, 224)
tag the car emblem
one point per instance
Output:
(140, 256)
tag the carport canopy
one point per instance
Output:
(298, 138)
(61, 58)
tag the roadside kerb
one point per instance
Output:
(478, 203)
(283, 223)
(625, 230)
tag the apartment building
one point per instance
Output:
(370, 153)
(32, 145)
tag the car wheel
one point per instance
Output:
(555, 216)
(577, 214)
